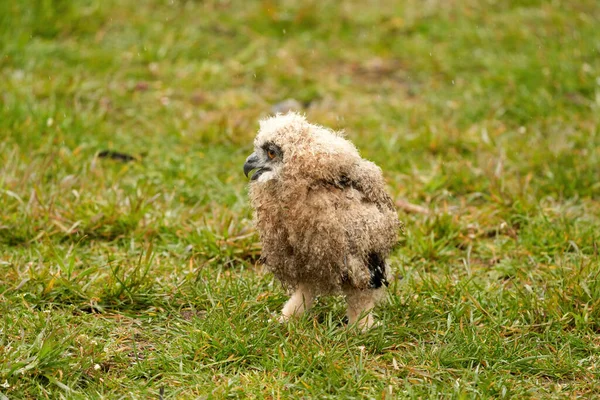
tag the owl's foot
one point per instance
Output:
(302, 299)
(360, 304)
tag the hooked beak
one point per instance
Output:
(254, 162)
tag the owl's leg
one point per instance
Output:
(302, 299)
(360, 304)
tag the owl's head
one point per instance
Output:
(289, 147)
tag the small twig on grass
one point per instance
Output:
(411, 208)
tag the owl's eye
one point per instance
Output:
(271, 154)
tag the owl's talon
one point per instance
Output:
(283, 319)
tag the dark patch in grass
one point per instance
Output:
(117, 156)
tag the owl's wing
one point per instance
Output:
(375, 240)
(366, 177)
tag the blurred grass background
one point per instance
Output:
(138, 279)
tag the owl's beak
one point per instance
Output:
(254, 162)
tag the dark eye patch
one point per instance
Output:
(272, 147)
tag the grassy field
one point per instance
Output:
(141, 279)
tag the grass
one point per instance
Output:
(141, 279)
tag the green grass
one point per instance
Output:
(132, 280)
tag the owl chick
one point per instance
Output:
(324, 218)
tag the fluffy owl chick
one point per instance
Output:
(325, 220)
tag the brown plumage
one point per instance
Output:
(325, 220)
